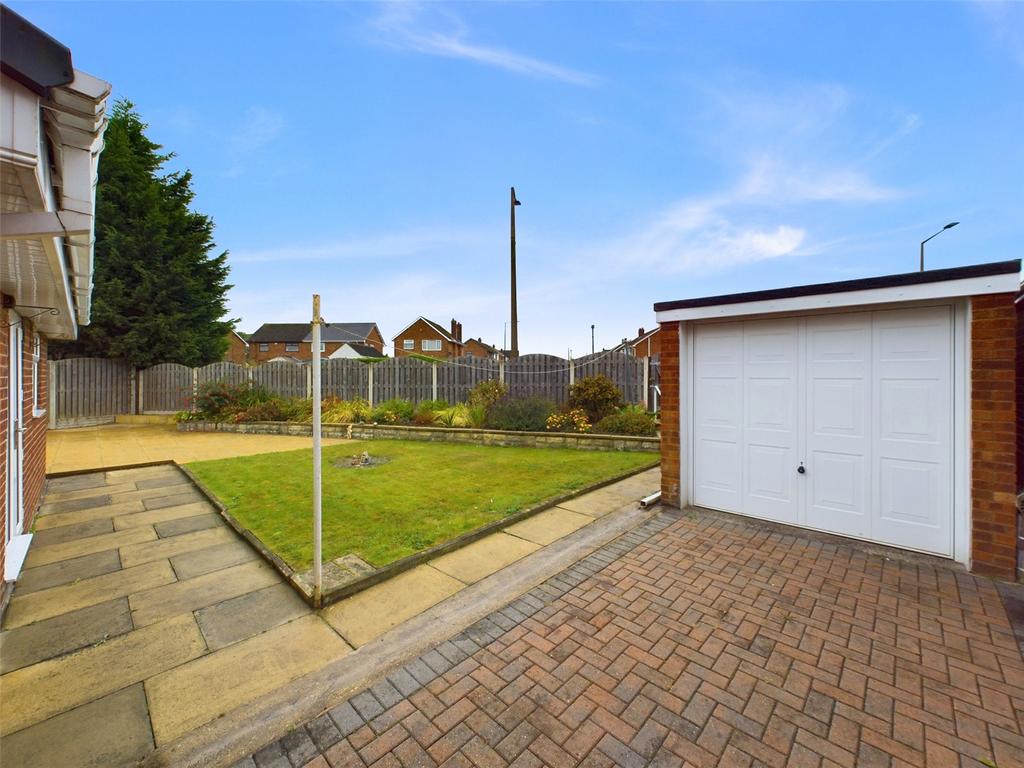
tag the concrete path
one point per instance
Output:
(141, 620)
(116, 445)
(703, 641)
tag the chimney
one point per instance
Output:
(460, 331)
(640, 333)
(455, 330)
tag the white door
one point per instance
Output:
(15, 505)
(841, 423)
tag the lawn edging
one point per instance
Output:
(406, 563)
(589, 442)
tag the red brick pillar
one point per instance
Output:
(668, 345)
(994, 435)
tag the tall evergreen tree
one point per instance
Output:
(159, 295)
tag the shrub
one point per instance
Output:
(427, 411)
(271, 410)
(487, 393)
(477, 416)
(628, 423)
(573, 420)
(219, 400)
(456, 416)
(596, 395)
(394, 411)
(527, 415)
(335, 411)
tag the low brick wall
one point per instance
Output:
(437, 434)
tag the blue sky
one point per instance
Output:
(661, 151)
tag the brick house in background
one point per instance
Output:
(884, 409)
(479, 348)
(645, 344)
(294, 340)
(425, 337)
(52, 126)
(238, 349)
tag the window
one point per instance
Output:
(37, 409)
(323, 346)
(291, 347)
(264, 347)
(431, 345)
(409, 344)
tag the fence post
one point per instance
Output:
(572, 371)
(142, 382)
(501, 370)
(195, 389)
(248, 375)
(433, 382)
(309, 381)
(647, 380)
(51, 394)
(369, 385)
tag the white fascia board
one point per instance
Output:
(970, 286)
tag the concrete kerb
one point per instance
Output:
(406, 563)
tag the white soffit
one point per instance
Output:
(970, 286)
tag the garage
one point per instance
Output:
(841, 423)
(881, 409)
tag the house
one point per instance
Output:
(51, 135)
(356, 351)
(479, 348)
(645, 344)
(273, 340)
(425, 337)
(881, 409)
(238, 349)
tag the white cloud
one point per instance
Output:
(405, 26)
(259, 127)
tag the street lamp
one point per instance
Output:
(948, 226)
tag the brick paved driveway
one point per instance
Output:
(704, 641)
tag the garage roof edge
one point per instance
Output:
(1011, 266)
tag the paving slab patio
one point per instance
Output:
(113, 445)
(138, 621)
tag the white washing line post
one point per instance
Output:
(433, 372)
(318, 571)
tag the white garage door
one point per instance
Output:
(841, 423)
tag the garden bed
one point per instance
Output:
(588, 442)
(425, 500)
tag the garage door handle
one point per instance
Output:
(801, 469)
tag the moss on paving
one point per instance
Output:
(427, 493)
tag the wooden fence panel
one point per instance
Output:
(545, 376)
(344, 379)
(625, 371)
(282, 378)
(457, 376)
(166, 388)
(228, 373)
(87, 390)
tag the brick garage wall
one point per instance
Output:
(994, 442)
(34, 437)
(668, 344)
(5, 372)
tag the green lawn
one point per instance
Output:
(427, 494)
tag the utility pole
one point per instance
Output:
(591, 338)
(513, 202)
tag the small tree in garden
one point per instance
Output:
(597, 396)
(487, 393)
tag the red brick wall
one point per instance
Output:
(994, 435)
(277, 349)
(668, 344)
(238, 351)
(34, 437)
